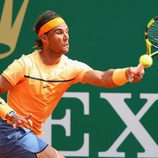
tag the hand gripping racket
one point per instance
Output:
(151, 40)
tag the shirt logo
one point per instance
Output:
(46, 86)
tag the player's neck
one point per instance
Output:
(50, 58)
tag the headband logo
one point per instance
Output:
(9, 31)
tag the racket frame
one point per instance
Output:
(149, 45)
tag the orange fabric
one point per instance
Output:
(37, 88)
(50, 24)
(119, 76)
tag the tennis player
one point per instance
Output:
(36, 82)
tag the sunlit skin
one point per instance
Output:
(55, 44)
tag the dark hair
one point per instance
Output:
(42, 19)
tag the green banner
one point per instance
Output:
(94, 122)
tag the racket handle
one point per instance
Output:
(139, 68)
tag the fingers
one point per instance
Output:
(18, 120)
(14, 124)
(30, 122)
(130, 74)
(134, 76)
(27, 118)
(142, 72)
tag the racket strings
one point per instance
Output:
(152, 34)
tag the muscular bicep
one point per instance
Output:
(100, 78)
(4, 84)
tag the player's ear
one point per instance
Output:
(43, 38)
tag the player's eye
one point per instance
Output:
(58, 31)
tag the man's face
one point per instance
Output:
(58, 39)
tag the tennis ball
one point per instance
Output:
(146, 60)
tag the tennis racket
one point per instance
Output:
(151, 40)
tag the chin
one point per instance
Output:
(65, 51)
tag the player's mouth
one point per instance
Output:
(66, 45)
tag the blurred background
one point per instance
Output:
(104, 34)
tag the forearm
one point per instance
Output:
(114, 78)
(109, 79)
